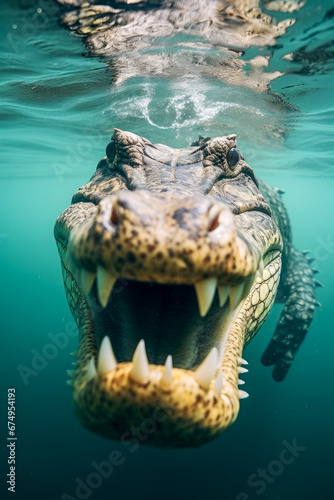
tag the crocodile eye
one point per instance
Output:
(233, 156)
(111, 151)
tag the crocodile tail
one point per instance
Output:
(298, 293)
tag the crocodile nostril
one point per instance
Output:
(214, 223)
(213, 217)
(114, 216)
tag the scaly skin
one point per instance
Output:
(195, 218)
(157, 226)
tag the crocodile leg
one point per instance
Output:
(298, 292)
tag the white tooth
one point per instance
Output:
(74, 363)
(167, 376)
(91, 370)
(235, 295)
(87, 279)
(219, 382)
(223, 292)
(140, 366)
(243, 394)
(105, 284)
(205, 372)
(241, 382)
(205, 291)
(242, 361)
(106, 360)
(74, 353)
(71, 373)
(69, 382)
(241, 369)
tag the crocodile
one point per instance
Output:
(171, 261)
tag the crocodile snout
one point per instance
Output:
(165, 239)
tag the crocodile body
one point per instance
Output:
(173, 258)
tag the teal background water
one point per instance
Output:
(57, 112)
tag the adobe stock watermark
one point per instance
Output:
(57, 342)
(324, 248)
(76, 154)
(103, 470)
(30, 23)
(40, 358)
(266, 476)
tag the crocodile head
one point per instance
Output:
(171, 261)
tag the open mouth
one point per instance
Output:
(181, 321)
(182, 350)
(180, 325)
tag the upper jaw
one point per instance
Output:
(173, 245)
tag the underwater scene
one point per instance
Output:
(143, 354)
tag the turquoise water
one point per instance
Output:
(58, 110)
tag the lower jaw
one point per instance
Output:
(176, 413)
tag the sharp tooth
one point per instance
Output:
(241, 369)
(74, 353)
(105, 283)
(219, 382)
(241, 382)
(91, 370)
(69, 382)
(223, 292)
(86, 279)
(140, 366)
(167, 375)
(205, 372)
(243, 394)
(205, 291)
(242, 361)
(106, 360)
(71, 373)
(235, 295)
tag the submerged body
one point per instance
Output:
(172, 259)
